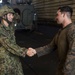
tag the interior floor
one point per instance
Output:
(44, 65)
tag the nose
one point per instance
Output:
(12, 16)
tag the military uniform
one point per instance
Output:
(9, 51)
(64, 42)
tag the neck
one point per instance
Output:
(5, 23)
(66, 22)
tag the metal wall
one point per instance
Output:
(46, 9)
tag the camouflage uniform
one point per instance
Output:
(64, 42)
(9, 52)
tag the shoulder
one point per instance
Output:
(72, 26)
(1, 27)
(71, 30)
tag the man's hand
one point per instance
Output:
(31, 52)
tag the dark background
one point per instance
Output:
(44, 65)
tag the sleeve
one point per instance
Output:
(69, 67)
(12, 47)
(47, 48)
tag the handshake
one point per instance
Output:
(31, 52)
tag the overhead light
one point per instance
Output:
(0, 1)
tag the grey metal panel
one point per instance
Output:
(28, 16)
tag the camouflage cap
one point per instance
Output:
(5, 10)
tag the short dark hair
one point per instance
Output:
(66, 9)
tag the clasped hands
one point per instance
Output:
(31, 52)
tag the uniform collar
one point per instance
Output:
(68, 25)
(6, 27)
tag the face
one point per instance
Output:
(59, 17)
(10, 17)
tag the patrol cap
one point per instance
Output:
(5, 10)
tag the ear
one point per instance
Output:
(4, 16)
(64, 14)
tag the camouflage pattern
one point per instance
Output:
(5, 10)
(9, 52)
(16, 18)
(64, 43)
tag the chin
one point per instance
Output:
(10, 21)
